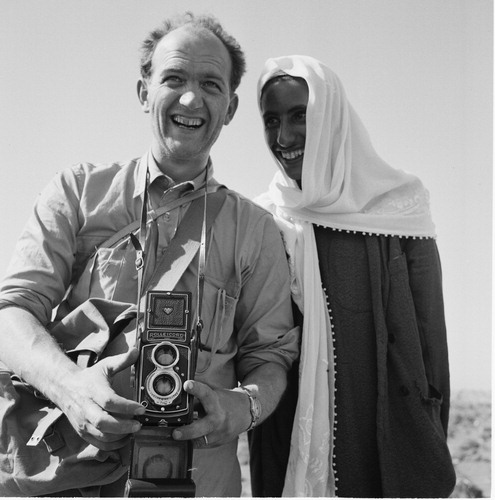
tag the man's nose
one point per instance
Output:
(191, 99)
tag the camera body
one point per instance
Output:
(167, 358)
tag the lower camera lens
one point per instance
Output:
(164, 385)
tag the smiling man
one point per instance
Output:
(190, 69)
(189, 98)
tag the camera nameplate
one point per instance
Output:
(159, 335)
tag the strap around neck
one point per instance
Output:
(184, 245)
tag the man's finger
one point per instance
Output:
(119, 406)
(99, 422)
(107, 445)
(195, 430)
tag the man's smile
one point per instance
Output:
(185, 122)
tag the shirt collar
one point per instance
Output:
(148, 162)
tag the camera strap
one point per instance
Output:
(152, 442)
(201, 272)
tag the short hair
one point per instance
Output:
(207, 22)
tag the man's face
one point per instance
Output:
(188, 96)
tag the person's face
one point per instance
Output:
(283, 107)
(188, 96)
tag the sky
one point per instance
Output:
(418, 72)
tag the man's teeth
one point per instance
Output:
(291, 155)
(188, 122)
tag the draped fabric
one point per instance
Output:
(345, 186)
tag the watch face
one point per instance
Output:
(256, 409)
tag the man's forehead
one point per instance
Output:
(196, 45)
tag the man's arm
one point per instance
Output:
(266, 338)
(96, 412)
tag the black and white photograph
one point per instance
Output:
(246, 248)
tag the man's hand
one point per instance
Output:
(227, 414)
(99, 415)
(96, 412)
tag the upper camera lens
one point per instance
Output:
(165, 355)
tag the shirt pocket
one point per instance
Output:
(109, 274)
(219, 324)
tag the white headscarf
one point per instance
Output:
(345, 186)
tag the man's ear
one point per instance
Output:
(142, 90)
(234, 102)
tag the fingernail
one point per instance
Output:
(140, 411)
(177, 434)
(136, 427)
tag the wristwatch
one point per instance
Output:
(255, 408)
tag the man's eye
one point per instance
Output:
(209, 84)
(172, 79)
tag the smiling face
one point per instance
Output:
(189, 99)
(283, 106)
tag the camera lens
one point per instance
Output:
(164, 385)
(165, 355)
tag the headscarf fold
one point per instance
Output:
(345, 186)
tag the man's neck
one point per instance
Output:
(180, 170)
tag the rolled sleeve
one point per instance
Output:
(40, 269)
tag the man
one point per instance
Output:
(190, 70)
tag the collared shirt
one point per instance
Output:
(246, 308)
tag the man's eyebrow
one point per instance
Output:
(172, 69)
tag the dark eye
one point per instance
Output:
(172, 80)
(271, 122)
(211, 85)
(300, 116)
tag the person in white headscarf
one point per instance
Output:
(370, 404)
